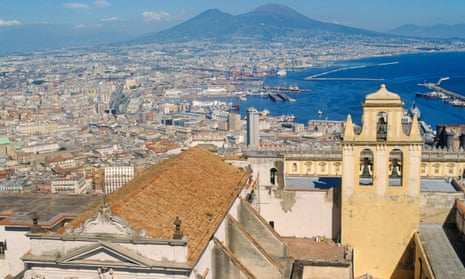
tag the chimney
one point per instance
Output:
(35, 224)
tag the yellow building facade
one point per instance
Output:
(381, 188)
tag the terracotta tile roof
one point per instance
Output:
(195, 185)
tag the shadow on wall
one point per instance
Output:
(327, 182)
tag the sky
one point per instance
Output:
(141, 16)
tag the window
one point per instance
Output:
(381, 127)
(395, 167)
(366, 167)
(273, 176)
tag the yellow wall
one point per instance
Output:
(379, 229)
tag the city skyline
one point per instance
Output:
(145, 16)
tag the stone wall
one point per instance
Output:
(249, 252)
(225, 265)
(257, 227)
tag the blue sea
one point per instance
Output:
(337, 98)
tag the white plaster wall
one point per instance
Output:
(52, 273)
(204, 263)
(17, 246)
(205, 259)
(261, 168)
(307, 213)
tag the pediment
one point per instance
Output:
(105, 222)
(105, 253)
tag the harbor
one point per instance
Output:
(449, 96)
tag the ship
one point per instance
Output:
(281, 73)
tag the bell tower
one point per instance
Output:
(381, 187)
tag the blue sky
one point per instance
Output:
(155, 15)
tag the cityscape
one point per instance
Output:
(129, 160)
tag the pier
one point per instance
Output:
(280, 97)
(437, 88)
(275, 97)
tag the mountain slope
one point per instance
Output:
(265, 23)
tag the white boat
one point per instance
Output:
(281, 73)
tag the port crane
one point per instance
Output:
(441, 80)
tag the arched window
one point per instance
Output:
(395, 167)
(273, 176)
(366, 167)
(381, 127)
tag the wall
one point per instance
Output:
(299, 213)
(379, 229)
(262, 165)
(224, 266)
(260, 231)
(324, 272)
(248, 252)
(17, 245)
(422, 268)
(435, 207)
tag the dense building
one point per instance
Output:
(370, 211)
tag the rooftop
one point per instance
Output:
(196, 186)
(314, 250)
(18, 209)
(442, 256)
(439, 185)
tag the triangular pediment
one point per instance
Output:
(105, 252)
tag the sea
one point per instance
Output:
(346, 83)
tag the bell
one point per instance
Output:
(365, 170)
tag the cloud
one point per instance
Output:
(87, 26)
(76, 6)
(155, 16)
(101, 3)
(9, 22)
(110, 19)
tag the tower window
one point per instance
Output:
(366, 167)
(395, 167)
(381, 127)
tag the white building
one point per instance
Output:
(117, 176)
(69, 185)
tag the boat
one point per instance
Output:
(320, 112)
(235, 107)
(294, 87)
(281, 73)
